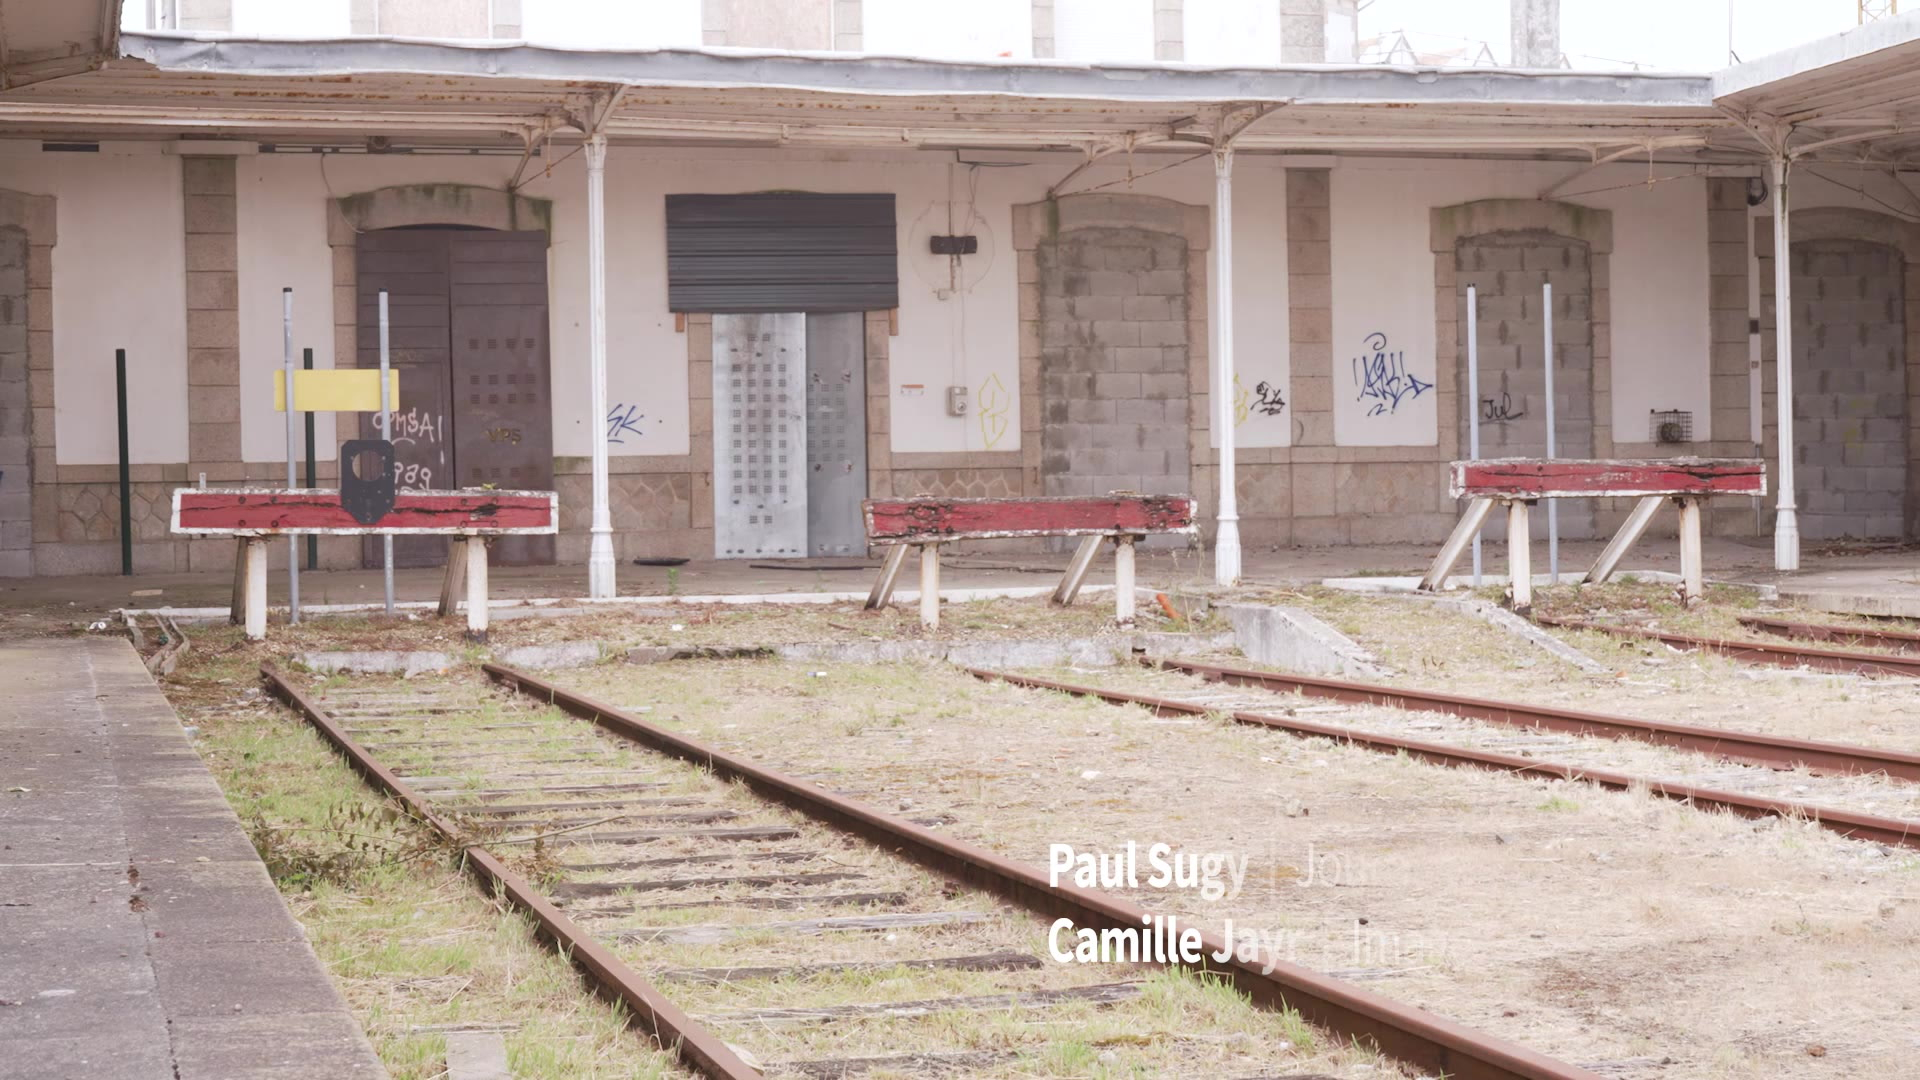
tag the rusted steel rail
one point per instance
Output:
(1903, 640)
(1409, 1034)
(1885, 830)
(1750, 747)
(1839, 661)
(698, 1048)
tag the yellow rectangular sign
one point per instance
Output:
(336, 390)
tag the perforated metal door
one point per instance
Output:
(836, 433)
(760, 436)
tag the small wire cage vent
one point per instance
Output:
(1670, 425)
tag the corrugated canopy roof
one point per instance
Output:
(1859, 91)
(40, 39)
(477, 91)
(1845, 95)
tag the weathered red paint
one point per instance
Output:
(1536, 478)
(235, 512)
(919, 521)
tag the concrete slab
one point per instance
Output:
(140, 936)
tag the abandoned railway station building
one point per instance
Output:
(775, 258)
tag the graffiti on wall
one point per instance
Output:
(624, 420)
(991, 406)
(1499, 410)
(1265, 399)
(1381, 378)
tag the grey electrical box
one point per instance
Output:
(956, 401)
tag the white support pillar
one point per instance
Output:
(1226, 541)
(600, 579)
(1786, 522)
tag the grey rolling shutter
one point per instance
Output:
(781, 252)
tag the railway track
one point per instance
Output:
(1471, 733)
(1873, 637)
(762, 925)
(1839, 661)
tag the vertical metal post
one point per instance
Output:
(313, 542)
(1473, 404)
(1786, 520)
(1553, 505)
(293, 539)
(386, 432)
(126, 467)
(600, 577)
(1226, 540)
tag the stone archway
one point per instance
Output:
(1117, 282)
(408, 205)
(1508, 249)
(27, 235)
(1856, 370)
(467, 267)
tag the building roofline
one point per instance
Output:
(1838, 48)
(907, 76)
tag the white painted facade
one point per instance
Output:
(121, 230)
(961, 332)
(1383, 283)
(122, 233)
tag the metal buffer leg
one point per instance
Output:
(1076, 574)
(1692, 573)
(476, 587)
(889, 576)
(253, 559)
(1463, 535)
(455, 578)
(237, 613)
(930, 585)
(1623, 541)
(1519, 557)
(1123, 579)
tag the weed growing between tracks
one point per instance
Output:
(402, 928)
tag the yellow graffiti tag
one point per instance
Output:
(992, 402)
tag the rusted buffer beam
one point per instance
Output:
(1884, 830)
(1839, 661)
(1904, 640)
(1412, 1035)
(1768, 750)
(699, 1048)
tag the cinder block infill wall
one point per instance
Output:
(1833, 223)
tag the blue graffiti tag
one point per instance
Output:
(1383, 378)
(623, 420)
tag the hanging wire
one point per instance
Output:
(1903, 215)
(1130, 177)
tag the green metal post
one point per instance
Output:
(313, 542)
(126, 470)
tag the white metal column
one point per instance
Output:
(1226, 543)
(600, 581)
(1786, 522)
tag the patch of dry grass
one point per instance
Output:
(412, 943)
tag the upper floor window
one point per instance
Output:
(1228, 33)
(1103, 31)
(976, 30)
(598, 24)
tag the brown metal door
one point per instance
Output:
(411, 264)
(502, 404)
